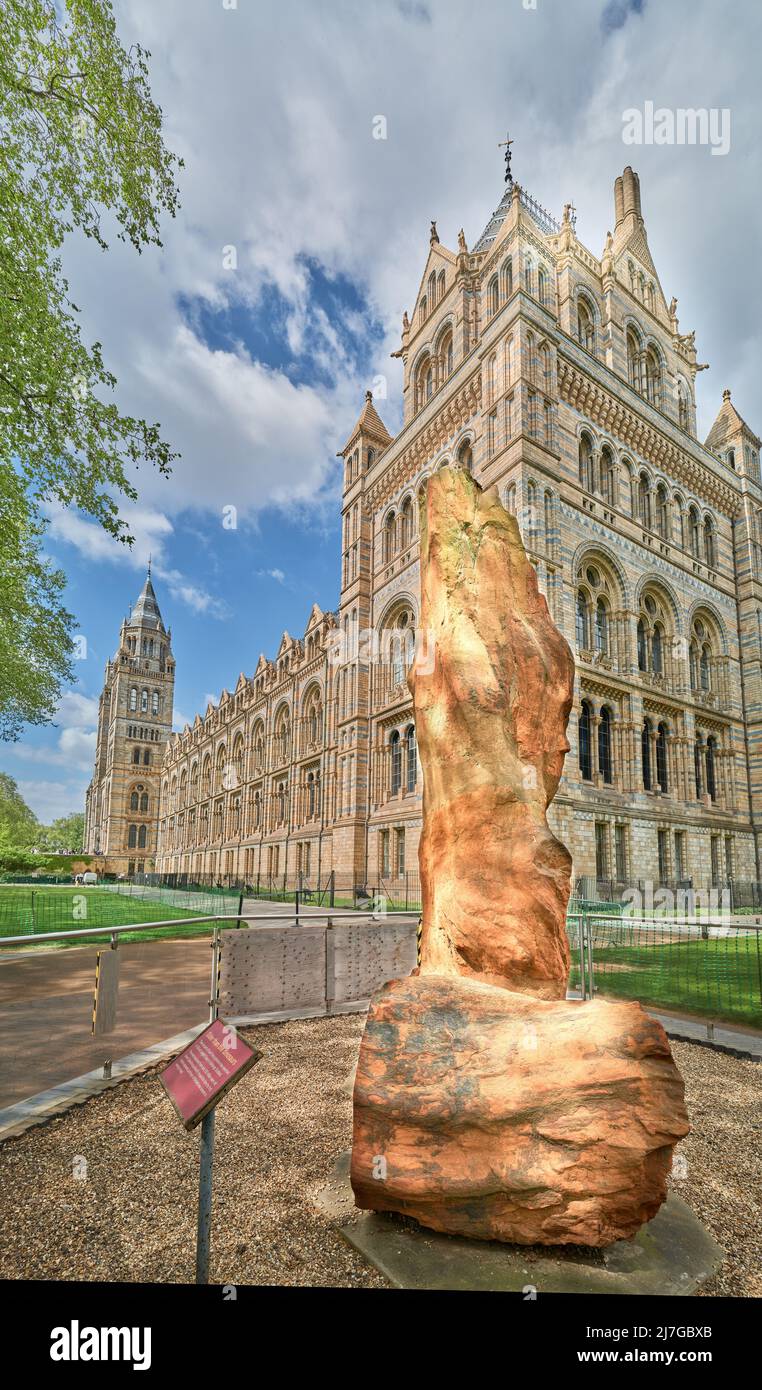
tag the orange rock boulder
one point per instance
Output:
(500, 1116)
(492, 695)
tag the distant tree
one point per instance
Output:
(63, 835)
(80, 137)
(19, 826)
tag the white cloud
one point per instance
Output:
(50, 799)
(289, 173)
(151, 532)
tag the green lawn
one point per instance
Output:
(719, 977)
(25, 910)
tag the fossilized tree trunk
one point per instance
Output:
(492, 697)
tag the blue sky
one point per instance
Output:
(257, 369)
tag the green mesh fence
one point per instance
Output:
(35, 910)
(698, 968)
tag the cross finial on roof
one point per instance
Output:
(506, 144)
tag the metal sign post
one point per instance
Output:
(195, 1081)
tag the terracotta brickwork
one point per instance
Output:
(563, 378)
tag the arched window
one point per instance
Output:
(644, 501)
(645, 753)
(144, 702)
(586, 462)
(642, 646)
(142, 836)
(136, 755)
(412, 758)
(542, 285)
(661, 512)
(607, 475)
(133, 697)
(705, 667)
(661, 757)
(465, 456)
(407, 523)
(506, 278)
(134, 799)
(585, 325)
(494, 295)
(144, 803)
(633, 361)
(396, 762)
(709, 546)
(694, 528)
(390, 530)
(310, 795)
(653, 377)
(583, 621)
(657, 650)
(132, 837)
(585, 749)
(601, 628)
(257, 813)
(445, 355)
(604, 746)
(154, 702)
(698, 766)
(711, 773)
(682, 406)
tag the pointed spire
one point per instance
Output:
(146, 611)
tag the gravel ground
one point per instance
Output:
(277, 1135)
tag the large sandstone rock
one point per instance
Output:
(490, 715)
(495, 1115)
(486, 1105)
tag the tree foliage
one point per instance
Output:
(18, 823)
(80, 146)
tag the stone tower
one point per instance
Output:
(134, 724)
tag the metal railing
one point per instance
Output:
(296, 918)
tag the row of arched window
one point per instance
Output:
(657, 647)
(399, 526)
(137, 836)
(657, 512)
(654, 754)
(433, 368)
(150, 701)
(229, 771)
(535, 280)
(435, 291)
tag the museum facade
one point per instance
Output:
(562, 378)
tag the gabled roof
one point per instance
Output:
(728, 423)
(369, 423)
(316, 616)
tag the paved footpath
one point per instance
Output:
(46, 1004)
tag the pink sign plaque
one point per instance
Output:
(205, 1070)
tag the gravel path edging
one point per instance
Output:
(38, 1109)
